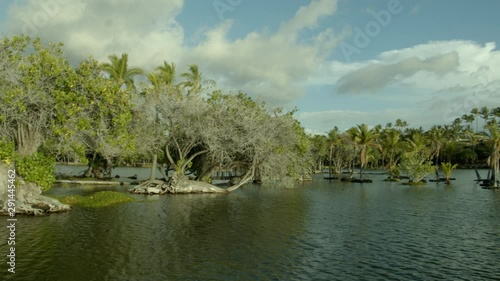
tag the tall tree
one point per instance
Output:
(494, 140)
(162, 82)
(167, 73)
(194, 81)
(120, 72)
(229, 131)
(391, 142)
(318, 150)
(437, 138)
(418, 143)
(400, 124)
(34, 78)
(468, 118)
(415, 162)
(485, 114)
(495, 113)
(476, 113)
(364, 138)
(98, 122)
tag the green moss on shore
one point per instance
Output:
(98, 199)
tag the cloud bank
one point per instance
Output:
(377, 76)
(269, 65)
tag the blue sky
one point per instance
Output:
(430, 62)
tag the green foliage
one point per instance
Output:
(6, 150)
(98, 199)
(120, 72)
(447, 168)
(33, 76)
(394, 171)
(94, 108)
(416, 166)
(37, 168)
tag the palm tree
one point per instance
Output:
(455, 130)
(437, 137)
(474, 139)
(154, 79)
(418, 143)
(475, 112)
(391, 140)
(400, 124)
(194, 79)
(164, 76)
(469, 118)
(167, 73)
(447, 168)
(364, 138)
(119, 71)
(494, 139)
(495, 112)
(485, 114)
(411, 131)
(333, 141)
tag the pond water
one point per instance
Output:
(322, 230)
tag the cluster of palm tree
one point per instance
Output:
(489, 116)
(164, 75)
(384, 147)
(120, 72)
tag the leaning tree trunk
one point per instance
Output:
(180, 184)
(176, 184)
(28, 198)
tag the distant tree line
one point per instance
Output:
(399, 147)
(97, 113)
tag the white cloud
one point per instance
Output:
(273, 66)
(269, 65)
(377, 76)
(431, 83)
(103, 27)
(423, 80)
(307, 17)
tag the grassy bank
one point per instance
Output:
(98, 199)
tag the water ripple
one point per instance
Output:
(325, 230)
